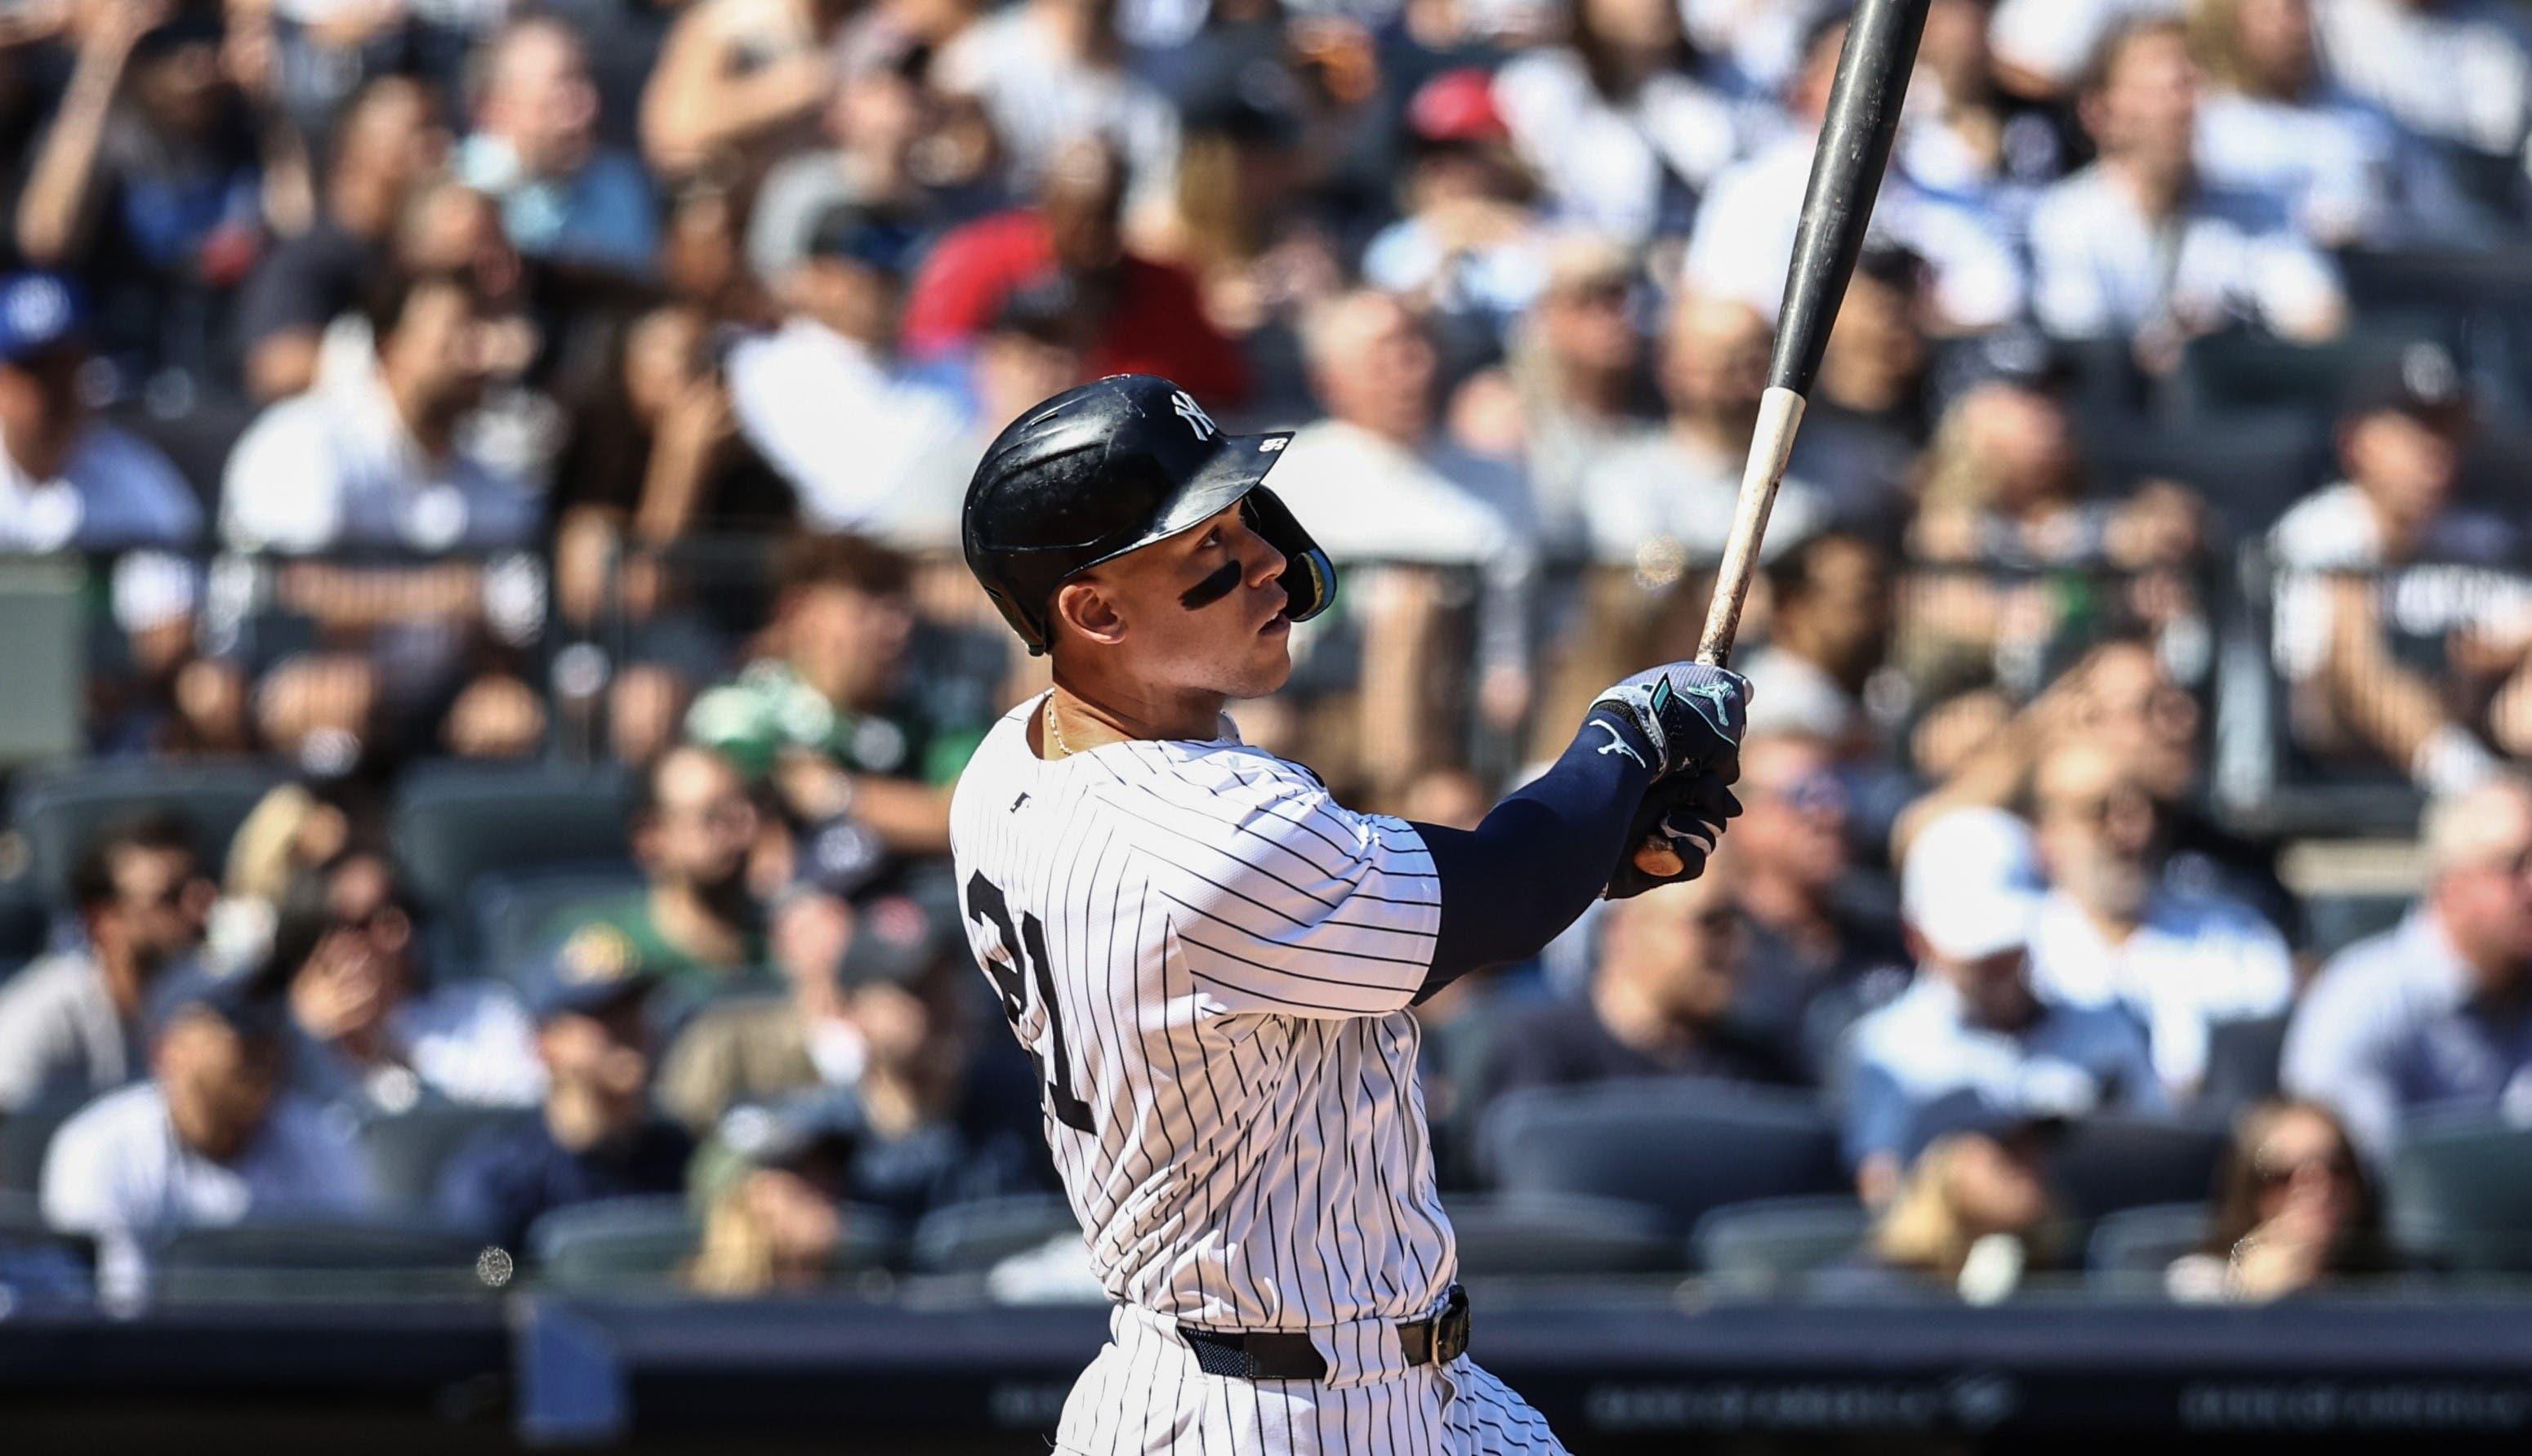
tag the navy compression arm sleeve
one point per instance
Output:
(1517, 880)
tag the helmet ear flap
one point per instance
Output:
(1309, 578)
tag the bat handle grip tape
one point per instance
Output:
(1771, 444)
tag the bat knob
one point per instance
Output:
(1654, 857)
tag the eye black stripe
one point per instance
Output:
(1213, 588)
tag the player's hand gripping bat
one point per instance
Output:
(1846, 174)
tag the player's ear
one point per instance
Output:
(1084, 606)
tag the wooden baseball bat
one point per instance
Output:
(1872, 70)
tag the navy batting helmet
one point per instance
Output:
(1103, 467)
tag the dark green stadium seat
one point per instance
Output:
(457, 822)
(2242, 1063)
(2133, 1245)
(2109, 1161)
(971, 1237)
(25, 1133)
(1678, 1145)
(280, 1261)
(615, 1244)
(519, 919)
(407, 1149)
(2461, 1188)
(61, 809)
(1560, 1235)
(1769, 1246)
(2337, 922)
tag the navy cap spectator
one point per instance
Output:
(67, 479)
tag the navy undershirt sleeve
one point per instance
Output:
(1537, 861)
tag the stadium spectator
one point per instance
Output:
(696, 923)
(69, 481)
(823, 399)
(148, 185)
(1468, 247)
(1972, 1023)
(2042, 47)
(213, 1137)
(2114, 930)
(371, 1031)
(1867, 416)
(2455, 72)
(2294, 1209)
(596, 1137)
(1623, 124)
(830, 712)
(388, 144)
(383, 463)
(72, 1020)
(2388, 588)
(1829, 631)
(2141, 247)
(1577, 366)
(1385, 490)
(1744, 240)
(1972, 1216)
(2271, 123)
(1671, 962)
(1822, 951)
(1967, 138)
(535, 149)
(738, 82)
(1146, 317)
(2431, 1015)
(773, 1185)
(1049, 72)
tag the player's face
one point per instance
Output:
(1204, 610)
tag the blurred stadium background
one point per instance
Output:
(485, 653)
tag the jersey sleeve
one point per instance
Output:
(1281, 900)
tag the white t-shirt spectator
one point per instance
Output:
(2101, 269)
(2461, 580)
(2329, 160)
(1038, 100)
(2457, 71)
(1603, 166)
(1654, 490)
(114, 494)
(863, 448)
(118, 1171)
(336, 468)
(2198, 960)
(1744, 243)
(464, 1040)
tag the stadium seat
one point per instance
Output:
(2337, 922)
(1678, 1145)
(25, 1133)
(59, 810)
(407, 1149)
(971, 1237)
(2248, 468)
(2135, 1245)
(1766, 1246)
(456, 822)
(1559, 1235)
(2107, 1163)
(614, 1243)
(2461, 1188)
(263, 1261)
(518, 919)
(2242, 1063)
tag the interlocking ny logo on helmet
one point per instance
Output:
(1193, 413)
(1103, 469)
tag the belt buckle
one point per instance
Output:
(1450, 1328)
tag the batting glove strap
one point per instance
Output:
(1693, 714)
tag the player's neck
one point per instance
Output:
(1086, 716)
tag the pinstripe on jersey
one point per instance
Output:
(1229, 955)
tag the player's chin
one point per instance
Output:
(1268, 664)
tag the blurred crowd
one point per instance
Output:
(579, 395)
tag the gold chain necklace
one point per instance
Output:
(1055, 731)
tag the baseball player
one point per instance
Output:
(1211, 960)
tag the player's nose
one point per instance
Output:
(1263, 561)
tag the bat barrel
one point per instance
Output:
(1845, 173)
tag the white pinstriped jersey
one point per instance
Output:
(1210, 961)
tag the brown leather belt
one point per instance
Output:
(1286, 1355)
